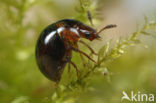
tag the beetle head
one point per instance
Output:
(87, 32)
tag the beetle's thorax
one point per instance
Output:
(69, 34)
(75, 32)
(71, 31)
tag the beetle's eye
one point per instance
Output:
(87, 35)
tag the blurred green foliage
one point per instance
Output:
(21, 81)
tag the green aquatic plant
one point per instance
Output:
(70, 92)
(20, 79)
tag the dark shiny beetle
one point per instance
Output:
(55, 45)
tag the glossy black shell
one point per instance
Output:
(51, 57)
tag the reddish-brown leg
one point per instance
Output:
(74, 65)
(83, 61)
(92, 51)
(77, 50)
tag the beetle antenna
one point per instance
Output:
(90, 17)
(107, 27)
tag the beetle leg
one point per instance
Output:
(92, 51)
(74, 65)
(84, 65)
(77, 50)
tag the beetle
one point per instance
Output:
(56, 43)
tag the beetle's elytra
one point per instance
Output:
(56, 43)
